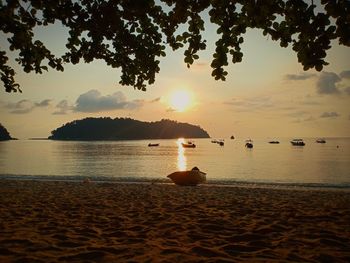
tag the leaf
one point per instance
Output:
(130, 36)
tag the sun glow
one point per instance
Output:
(180, 100)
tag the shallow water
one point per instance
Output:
(314, 164)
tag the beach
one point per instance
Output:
(57, 221)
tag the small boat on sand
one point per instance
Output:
(188, 145)
(297, 142)
(190, 178)
(274, 142)
(153, 144)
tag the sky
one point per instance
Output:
(267, 95)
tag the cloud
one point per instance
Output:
(331, 114)
(20, 107)
(297, 114)
(135, 104)
(44, 103)
(309, 119)
(345, 74)
(93, 101)
(326, 83)
(288, 108)
(170, 109)
(155, 100)
(250, 104)
(300, 76)
(309, 100)
(306, 119)
(26, 106)
(310, 103)
(200, 64)
(62, 108)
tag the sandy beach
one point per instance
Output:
(120, 222)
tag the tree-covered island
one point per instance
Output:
(4, 134)
(125, 129)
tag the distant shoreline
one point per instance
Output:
(166, 181)
(225, 138)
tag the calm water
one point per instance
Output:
(320, 164)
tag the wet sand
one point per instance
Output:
(120, 222)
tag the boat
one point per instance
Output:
(232, 137)
(249, 143)
(188, 145)
(191, 178)
(274, 142)
(221, 142)
(297, 142)
(153, 144)
(321, 141)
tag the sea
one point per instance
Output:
(276, 165)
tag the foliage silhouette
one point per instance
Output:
(4, 134)
(125, 129)
(133, 34)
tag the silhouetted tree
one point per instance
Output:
(133, 34)
(125, 129)
(4, 134)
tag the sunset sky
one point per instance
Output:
(267, 95)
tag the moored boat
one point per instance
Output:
(274, 142)
(249, 143)
(321, 140)
(221, 142)
(153, 144)
(297, 142)
(188, 145)
(191, 178)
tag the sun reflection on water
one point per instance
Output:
(181, 158)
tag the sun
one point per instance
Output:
(180, 100)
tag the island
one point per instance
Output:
(125, 129)
(4, 134)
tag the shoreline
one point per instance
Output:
(210, 183)
(56, 221)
